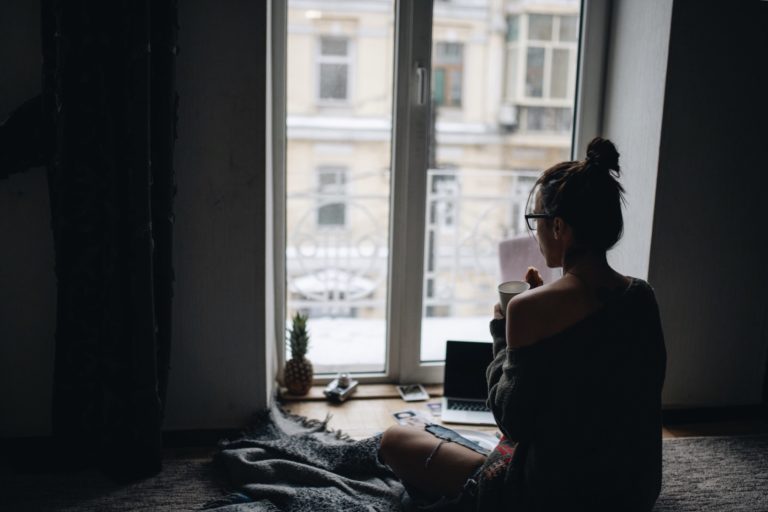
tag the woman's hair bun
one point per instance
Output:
(602, 154)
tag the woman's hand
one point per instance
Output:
(497, 313)
(533, 277)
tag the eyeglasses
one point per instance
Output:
(530, 218)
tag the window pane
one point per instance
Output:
(564, 120)
(535, 118)
(456, 78)
(511, 89)
(447, 74)
(534, 73)
(333, 81)
(512, 28)
(438, 86)
(331, 214)
(569, 28)
(559, 81)
(333, 46)
(448, 53)
(338, 183)
(540, 27)
(479, 177)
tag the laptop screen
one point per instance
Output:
(465, 365)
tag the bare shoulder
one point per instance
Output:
(530, 313)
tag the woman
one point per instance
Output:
(575, 385)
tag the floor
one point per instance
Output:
(370, 411)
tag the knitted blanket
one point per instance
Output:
(289, 463)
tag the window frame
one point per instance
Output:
(413, 45)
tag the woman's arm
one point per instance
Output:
(515, 389)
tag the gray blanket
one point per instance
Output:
(292, 464)
(289, 463)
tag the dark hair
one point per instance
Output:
(587, 195)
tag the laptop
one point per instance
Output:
(465, 389)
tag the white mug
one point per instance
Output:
(508, 290)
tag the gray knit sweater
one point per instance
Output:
(583, 410)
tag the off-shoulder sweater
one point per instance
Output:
(583, 410)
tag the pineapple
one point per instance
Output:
(298, 370)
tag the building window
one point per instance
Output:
(331, 197)
(448, 73)
(334, 61)
(541, 62)
(534, 72)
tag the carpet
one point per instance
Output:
(183, 484)
(709, 474)
(702, 474)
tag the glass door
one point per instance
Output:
(338, 172)
(503, 103)
(414, 132)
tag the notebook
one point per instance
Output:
(465, 389)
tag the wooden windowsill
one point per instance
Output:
(363, 391)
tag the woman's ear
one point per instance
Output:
(557, 227)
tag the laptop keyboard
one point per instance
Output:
(467, 405)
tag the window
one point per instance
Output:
(552, 47)
(396, 203)
(333, 69)
(534, 72)
(448, 71)
(331, 194)
(540, 69)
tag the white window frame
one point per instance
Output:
(348, 59)
(409, 163)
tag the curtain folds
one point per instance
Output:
(109, 112)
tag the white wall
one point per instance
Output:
(686, 102)
(707, 252)
(636, 70)
(219, 372)
(218, 358)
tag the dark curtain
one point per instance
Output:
(104, 126)
(107, 111)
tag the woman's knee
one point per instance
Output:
(393, 442)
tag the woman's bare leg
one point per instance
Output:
(406, 450)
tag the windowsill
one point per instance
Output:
(363, 392)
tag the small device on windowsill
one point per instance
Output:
(340, 388)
